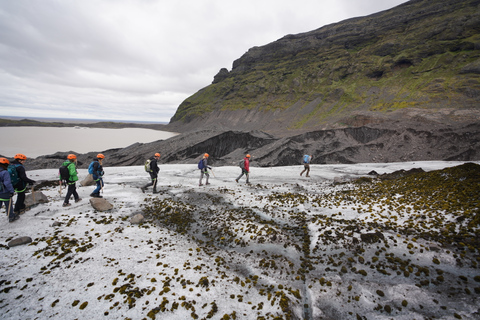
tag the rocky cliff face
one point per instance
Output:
(423, 54)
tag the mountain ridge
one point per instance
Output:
(420, 54)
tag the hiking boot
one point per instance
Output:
(207, 183)
(200, 184)
(143, 189)
(78, 200)
(15, 217)
(66, 205)
(236, 180)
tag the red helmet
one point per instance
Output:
(248, 156)
(20, 156)
(206, 155)
(4, 161)
(71, 156)
(100, 156)
(157, 154)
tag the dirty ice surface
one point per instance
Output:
(223, 251)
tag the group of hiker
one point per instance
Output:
(13, 178)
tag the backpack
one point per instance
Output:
(90, 167)
(241, 164)
(12, 170)
(64, 173)
(147, 165)
(201, 165)
(305, 158)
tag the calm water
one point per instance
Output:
(37, 141)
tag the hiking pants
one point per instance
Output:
(152, 183)
(99, 183)
(244, 172)
(72, 190)
(20, 203)
(306, 167)
(8, 205)
(203, 172)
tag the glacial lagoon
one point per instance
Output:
(37, 141)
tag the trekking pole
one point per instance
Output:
(101, 183)
(33, 194)
(8, 207)
(212, 173)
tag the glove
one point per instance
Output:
(11, 194)
(31, 183)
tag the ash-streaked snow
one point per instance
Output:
(239, 255)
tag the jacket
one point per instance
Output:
(97, 170)
(7, 187)
(154, 169)
(20, 186)
(246, 164)
(72, 170)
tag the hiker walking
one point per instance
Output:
(245, 165)
(203, 166)
(6, 190)
(306, 165)
(71, 165)
(20, 185)
(96, 169)
(151, 166)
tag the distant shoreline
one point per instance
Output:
(13, 122)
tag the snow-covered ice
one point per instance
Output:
(225, 251)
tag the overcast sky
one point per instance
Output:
(137, 60)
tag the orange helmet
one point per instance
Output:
(71, 157)
(4, 161)
(248, 156)
(157, 154)
(20, 156)
(206, 155)
(100, 156)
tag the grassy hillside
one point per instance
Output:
(422, 54)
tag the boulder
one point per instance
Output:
(34, 198)
(19, 241)
(136, 219)
(88, 181)
(100, 204)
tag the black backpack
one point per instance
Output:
(64, 173)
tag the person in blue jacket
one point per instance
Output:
(6, 190)
(306, 165)
(203, 166)
(21, 186)
(97, 175)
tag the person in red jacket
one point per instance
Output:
(245, 168)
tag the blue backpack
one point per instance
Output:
(305, 158)
(201, 164)
(12, 170)
(90, 167)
